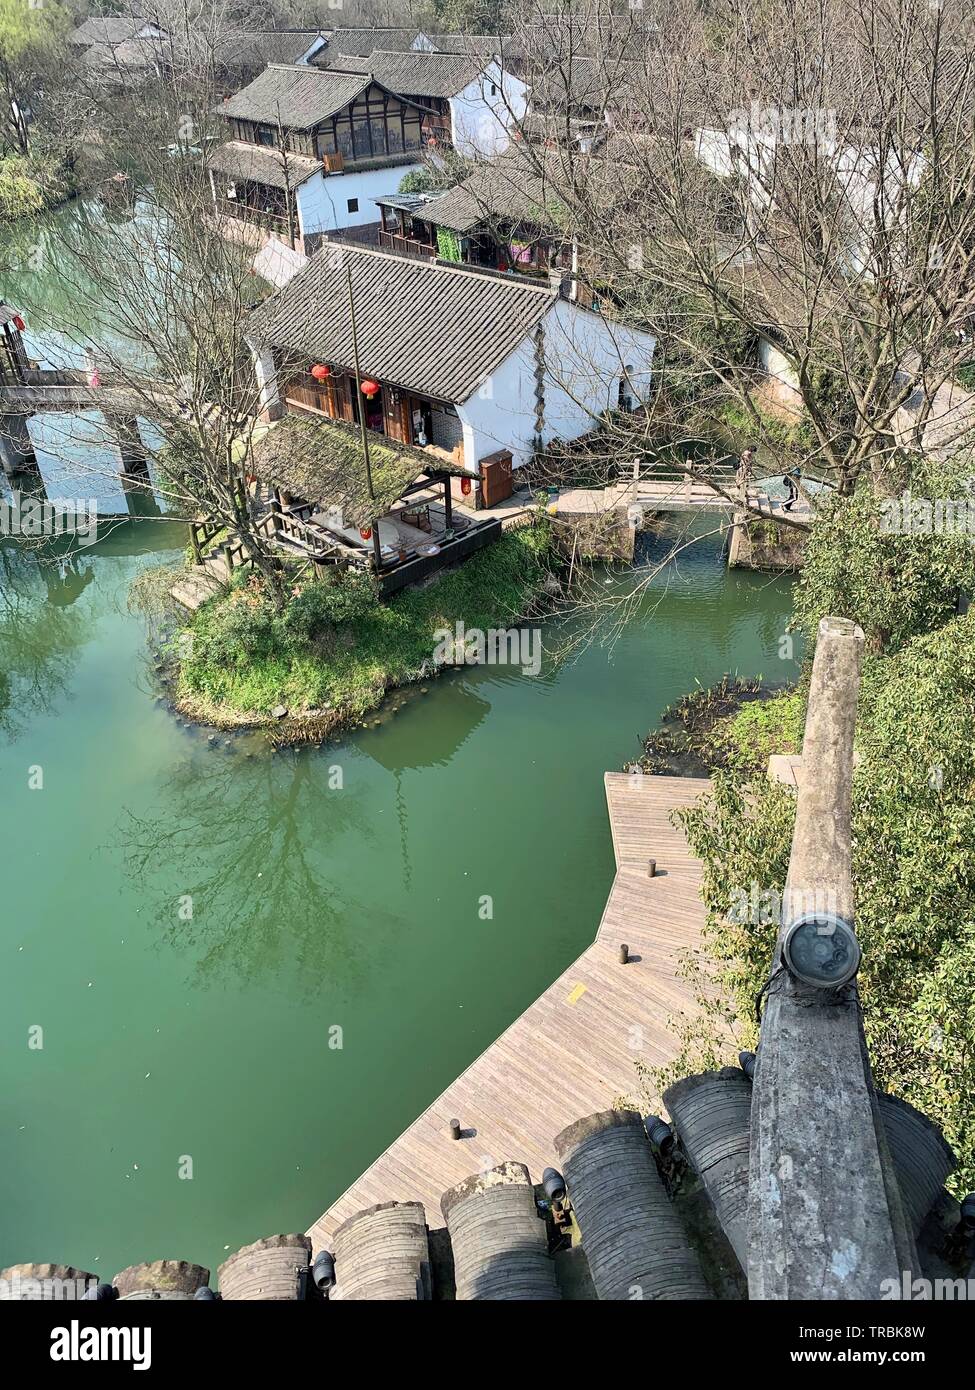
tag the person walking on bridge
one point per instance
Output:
(744, 474)
(792, 480)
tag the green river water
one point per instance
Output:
(314, 908)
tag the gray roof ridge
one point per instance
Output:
(300, 67)
(433, 267)
(270, 150)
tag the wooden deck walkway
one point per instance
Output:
(573, 1051)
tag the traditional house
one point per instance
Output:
(577, 102)
(121, 47)
(111, 30)
(336, 495)
(474, 102)
(476, 369)
(506, 215)
(265, 46)
(135, 48)
(311, 150)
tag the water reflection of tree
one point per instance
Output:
(40, 635)
(249, 842)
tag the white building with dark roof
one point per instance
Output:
(476, 101)
(466, 364)
(311, 150)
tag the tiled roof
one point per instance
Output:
(483, 44)
(363, 41)
(587, 83)
(596, 33)
(110, 30)
(419, 74)
(512, 188)
(277, 46)
(240, 161)
(133, 54)
(428, 328)
(300, 97)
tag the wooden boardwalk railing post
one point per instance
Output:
(825, 1215)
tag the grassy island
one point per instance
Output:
(334, 650)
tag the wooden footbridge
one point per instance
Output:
(574, 1051)
(677, 494)
(48, 389)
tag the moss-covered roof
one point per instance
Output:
(321, 461)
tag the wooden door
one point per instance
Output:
(396, 415)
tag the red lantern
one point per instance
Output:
(371, 388)
(19, 323)
(465, 486)
(320, 372)
(365, 532)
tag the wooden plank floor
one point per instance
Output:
(573, 1051)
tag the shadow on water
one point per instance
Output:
(258, 886)
(41, 634)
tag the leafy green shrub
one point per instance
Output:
(28, 185)
(20, 193)
(330, 603)
(336, 643)
(235, 631)
(894, 586)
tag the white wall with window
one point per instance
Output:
(329, 202)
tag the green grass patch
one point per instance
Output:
(331, 650)
(753, 733)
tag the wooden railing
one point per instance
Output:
(204, 531)
(201, 534)
(295, 525)
(406, 246)
(257, 217)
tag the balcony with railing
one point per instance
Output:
(405, 245)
